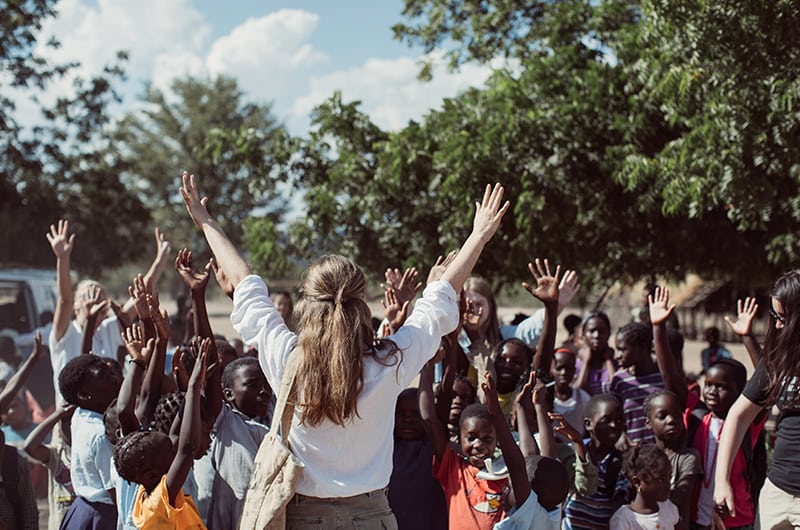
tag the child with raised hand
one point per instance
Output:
(415, 496)
(648, 469)
(595, 364)
(55, 456)
(605, 423)
(664, 414)
(582, 472)
(532, 506)
(703, 422)
(90, 383)
(637, 377)
(743, 327)
(472, 502)
(151, 460)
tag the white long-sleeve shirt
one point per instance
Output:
(342, 461)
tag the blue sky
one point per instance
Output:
(293, 54)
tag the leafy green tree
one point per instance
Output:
(206, 127)
(63, 166)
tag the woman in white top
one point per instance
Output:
(347, 381)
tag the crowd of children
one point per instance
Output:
(504, 430)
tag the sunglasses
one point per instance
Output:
(775, 316)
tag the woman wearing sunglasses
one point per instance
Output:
(775, 382)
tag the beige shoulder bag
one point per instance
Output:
(276, 469)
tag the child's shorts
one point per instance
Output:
(85, 515)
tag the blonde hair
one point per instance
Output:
(335, 333)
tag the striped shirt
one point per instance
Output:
(632, 391)
(593, 512)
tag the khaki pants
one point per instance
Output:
(777, 510)
(369, 511)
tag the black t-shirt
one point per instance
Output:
(785, 466)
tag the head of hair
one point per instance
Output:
(167, 408)
(230, 371)
(468, 382)
(335, 334)
(598, 399)
(224, 349)
(735, 369)
(45, 317)
(637, 335)
(600, 315)
(476, 410)
(73, 376)
(8, 350)
(782, 347)
(498, 348)
(647, 406)
(640, 459)
(483, 288)
(408, 393)
(571, 321)
(133, 454)
(549, 479)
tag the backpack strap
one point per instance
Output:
(284, 406)
(694, 421)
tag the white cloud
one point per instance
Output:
(270, 55)
(389, 89)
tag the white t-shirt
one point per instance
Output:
(665, 518)
(92, 455)
(531, 516)
(572, 409)
(105, 343)
(368, 437)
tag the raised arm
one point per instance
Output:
(547, 291)
(427, 408)
(197, 280)
(488, 214)
(515, 462)
(547, 439)
(16, 381)
(34, 443)
(660, 311)
(523, 406)
(743, 326)
(62, 243)
(139, 354)
(149, 391)
(189, 440)
(236, 269)
(152, 275)
(95, 307)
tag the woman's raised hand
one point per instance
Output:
(197, 207)
(489, 212)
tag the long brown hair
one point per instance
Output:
(782, 346)
(479, 285)
(335, 333)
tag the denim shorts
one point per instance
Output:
(366, 511)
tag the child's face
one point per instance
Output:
(606, 424)
(666, 418)
(478, 440)
(408, 424)
(719, 391)
(563, 369)
(596, 334)
(627, 354)
(654, 483)
(480, 305)
(102, 385)
(463, 395)
(510, 364)
(249, 393)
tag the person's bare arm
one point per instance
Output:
(226, 255)
(152, 275)
(660, 311)
(34, 443)
(436, 430)
(488, 214)
(139, 358)
(95, 308)
(546, 290)
(743, 326)
(62, 243)
(15, 382)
